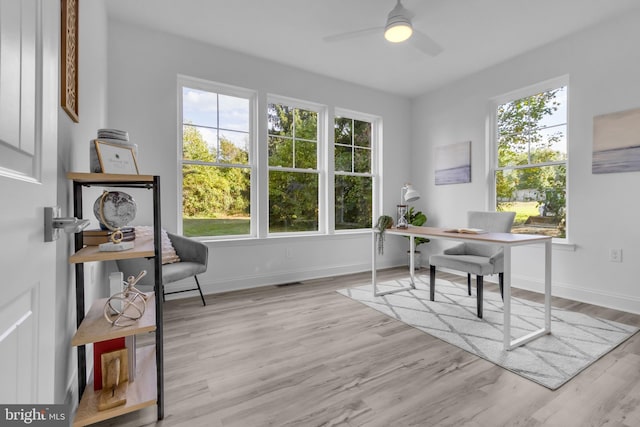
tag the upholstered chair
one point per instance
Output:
(193, 257)
(475, 258)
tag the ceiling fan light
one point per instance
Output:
(398, 31)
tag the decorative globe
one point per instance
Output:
(118, 209)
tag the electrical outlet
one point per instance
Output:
(615, 255)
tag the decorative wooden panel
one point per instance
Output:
(69, 58)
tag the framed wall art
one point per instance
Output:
(616, 142)
(115, 158)
(69, 58)
(453, 163)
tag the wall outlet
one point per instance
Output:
(615, 255)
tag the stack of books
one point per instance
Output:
(97, 237)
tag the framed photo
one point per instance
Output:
(115, 158)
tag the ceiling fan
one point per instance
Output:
(398, 29)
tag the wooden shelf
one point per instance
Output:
(143, 249)
(105, 178)
(94, 326)
(140, 393)
(148, 387)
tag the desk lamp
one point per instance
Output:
(407, 194)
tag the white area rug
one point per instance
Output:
(575, 342)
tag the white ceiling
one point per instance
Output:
(474, 34)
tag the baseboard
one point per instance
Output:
(259, 280)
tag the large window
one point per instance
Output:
(294, 173)
(216, 135)
(303, 178)
(531, 159)
(353, 172)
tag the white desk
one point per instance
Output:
(506, 241)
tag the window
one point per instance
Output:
(216, 135)
(353, 177)
(294, 174)
(531, 159)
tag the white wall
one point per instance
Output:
(73, 156)
(143, 69)
(603, 64)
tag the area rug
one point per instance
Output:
(576, 340)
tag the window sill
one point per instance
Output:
(243, 241)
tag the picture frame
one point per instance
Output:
(453, 163)
(69, 58)
(116, 159)
(616, 142)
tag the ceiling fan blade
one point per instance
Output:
(425, 43)
(352, 34)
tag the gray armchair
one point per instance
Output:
(193, 260)
(475, 258)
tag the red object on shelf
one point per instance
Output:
(100, 347)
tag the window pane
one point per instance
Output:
(306, 155)
(306, 125)
(555, 108)
(533, 129)
(343, 158)
(362, 160)
(199, 107)
(537, 195)
(198, 143)
(279, 120)
(293, 201)
(215, 200)
(280, 152)
(353, 202)
(342, 131)
(362, 134)
(234, 147)
(550, 145)
(234, 113)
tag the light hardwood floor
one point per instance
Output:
(303, 355)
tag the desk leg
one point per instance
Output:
(412, 261)
(507, 298)
(547, 286)
(373, 263)
(508, 344)
(374, 268)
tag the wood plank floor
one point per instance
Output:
(303, 355)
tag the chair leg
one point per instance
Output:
(469, 283)
(200, 290)
(479, 284)
(432, 282)
(163, 294)
(501, 281)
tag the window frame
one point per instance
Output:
(321, 164)
(494, 137)
(376, 134)
(228, 90)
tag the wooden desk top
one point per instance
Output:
(510, 239)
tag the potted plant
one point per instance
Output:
(417, 219)
(384, 222)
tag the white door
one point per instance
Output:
(29, 35)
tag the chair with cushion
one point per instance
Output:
(191, 259)
(476, 258)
